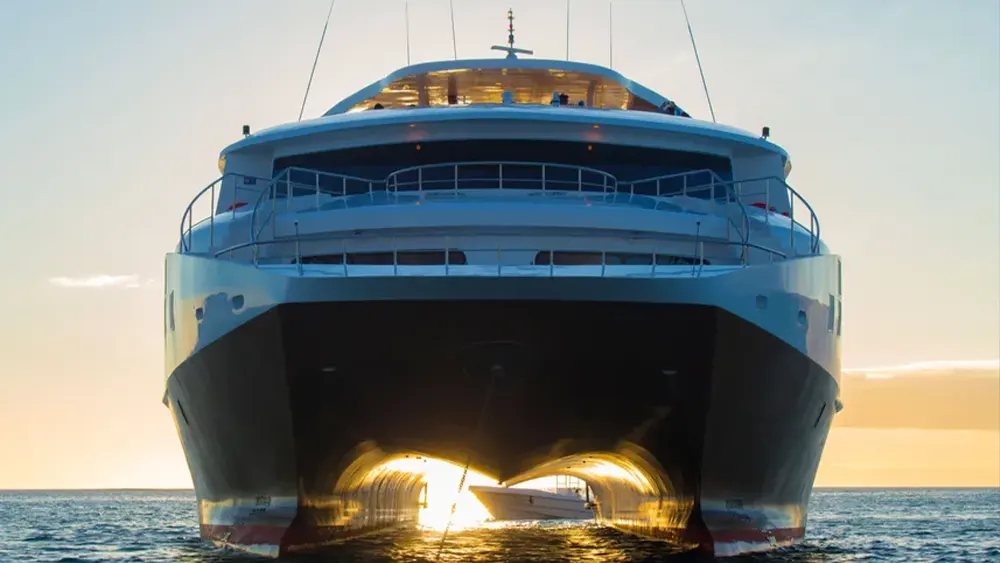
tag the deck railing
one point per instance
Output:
(289, 255)
(188, 222)
(303, 190)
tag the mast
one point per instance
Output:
(510, 49)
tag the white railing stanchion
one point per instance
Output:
(317, 191)
(456, 177)
(543, 178)
(343, 254)
(447, 256)
(420, 179)
(604, 262)
(343, 186)
(211, 221)
(791, 225)
(579, 179)
(395, 257)
(552, 263)
(500, 176)
(298, 252)
(499, 261)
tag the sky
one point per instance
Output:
(113, 112)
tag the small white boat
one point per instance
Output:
(511, 503)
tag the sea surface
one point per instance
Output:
(157, 526)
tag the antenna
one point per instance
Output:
(406, 14)
(510, 49)
(567, 29)
(318, 49)
(698, 60)
(611, 36)
(454, 43)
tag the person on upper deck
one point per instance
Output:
(564, 99)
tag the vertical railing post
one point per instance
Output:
(420, 179)
(500, 175)
(499, 261)
(579, 179)
(684, 185)
(456, 177)
(395, 257)
(791, 226)
(343, 186)
(298, 253)
(288, 190)
(767, 202)
(343, 254)
(604, 262)
(274, 209)
(543, 178)
(653, 271)
(211, 221)
(190, 242)
(447, 256)
(317, 191)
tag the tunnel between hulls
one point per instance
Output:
(519, 389)
(380, 491)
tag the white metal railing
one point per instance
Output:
(287, 252)
(519, 175)
(761, 199)
(210, 190)
(305, 189)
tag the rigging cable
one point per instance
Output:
(454, 44)
(611, 36)
(567, 29)
(698, 60)
(318, 49)
(406, 13)
(494, 371)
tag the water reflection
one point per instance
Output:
(514, 542)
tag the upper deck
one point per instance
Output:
(505, 90)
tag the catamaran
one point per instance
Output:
(535, 267)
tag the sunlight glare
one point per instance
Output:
(442, 479)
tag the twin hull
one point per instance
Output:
(714, 393)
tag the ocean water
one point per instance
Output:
(844, 525)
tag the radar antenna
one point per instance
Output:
(510, 49)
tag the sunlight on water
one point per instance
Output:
(442, 479)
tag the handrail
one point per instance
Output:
(338, 185)
(814, 234)
(186, 236)
(743, 230)
(697, 260)
(608, 183)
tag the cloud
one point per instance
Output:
(969, 368)
(101, 281)
(945, 395)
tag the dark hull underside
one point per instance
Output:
(282, 418)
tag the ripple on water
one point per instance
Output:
(845, 526)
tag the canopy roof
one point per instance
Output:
(483, 81)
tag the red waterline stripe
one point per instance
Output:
(753, 535)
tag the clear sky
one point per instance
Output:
(112, 114)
